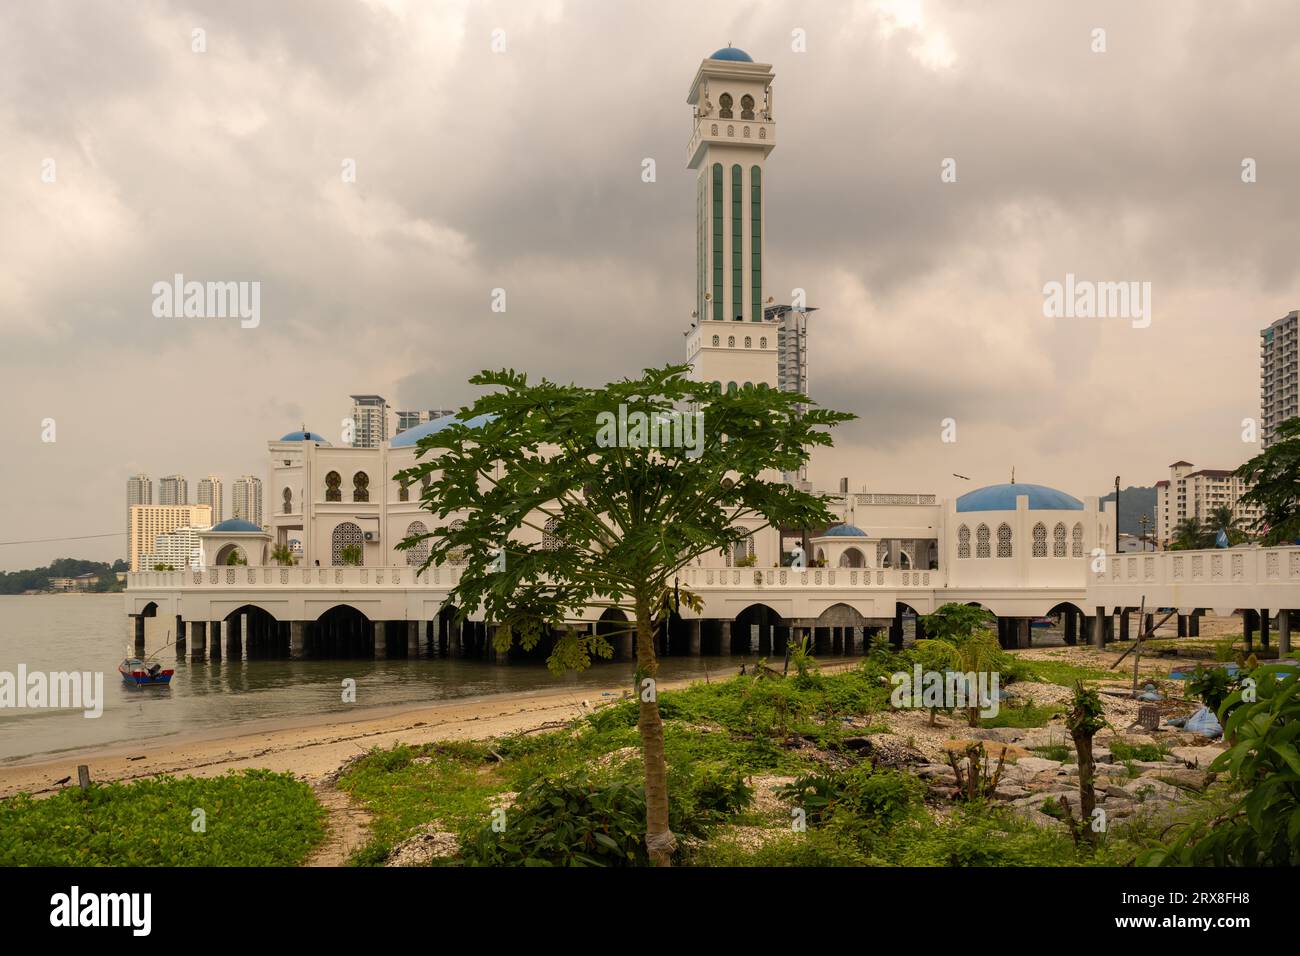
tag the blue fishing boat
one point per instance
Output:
(137, 672)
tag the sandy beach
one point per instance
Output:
(313, 748)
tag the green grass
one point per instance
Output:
(1059, 672)
(1030, 715)
(1125, 752)
(1063, 752)
(254, 818)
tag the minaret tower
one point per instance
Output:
(731, 341)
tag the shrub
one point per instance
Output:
(1262, 826)
(254, 818)
(879, 798)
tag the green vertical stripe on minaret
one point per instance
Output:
(737, 246)
(717, 241)
(756, 240)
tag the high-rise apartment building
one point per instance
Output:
(246, 499)
(177, 550)
(407, 420)
(139, 491)
(211, 494)
(173, 490)
(1279, 374)
(1196, 494)
(147, 522)
(370, 421)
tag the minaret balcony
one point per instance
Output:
(715, 131)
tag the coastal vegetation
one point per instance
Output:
(38, 579)
(634, 482)
(253, 818)
(762, 771)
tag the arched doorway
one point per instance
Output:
(852, 558)
(754, 631)
(343, 631)
(256, 633)
(615, 627)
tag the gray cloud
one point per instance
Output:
(522, 170)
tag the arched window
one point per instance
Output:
(717, 387)
(963, 542)
(747, 107)
(724, 106)
(742, 549)
(420, 553)
(1077, 548)
(403, 491)
(361, 486)
(332, 482)
(288, 501)
(425, 480)
(1004, 540)
(749, 342)
(982, 541)
(717, 340)
(1058, 540)
(762, 343)
(882, 555)
(1040, 540)
(346, 535)
(731, 341)
(549, 541)
(731, 388)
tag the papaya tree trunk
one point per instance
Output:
(659, 839)
(1087, 794)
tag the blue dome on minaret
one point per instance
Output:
(732, 53)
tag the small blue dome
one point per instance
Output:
(236, 525)
(845, 531)
(732, 53)
(304, 436)
(412, 436)
(1003, 498)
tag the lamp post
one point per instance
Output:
(1144, 521)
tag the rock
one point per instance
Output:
(1102, 755)
(1009, 792)
(1044, 737)
(1110, 770)
(890, 750)
(1197, 756)
(1036, 765)
(1183, 778)
(423, 847)
(992, 749)
(1038, 818)
(1150, 764)
(1005, 735)
(1036, 800)
(1146, 789)
(932, 771)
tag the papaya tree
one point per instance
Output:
(962, 640)
(567, 499)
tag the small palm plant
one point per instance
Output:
(964, 642)
(282, 556)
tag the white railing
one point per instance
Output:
(810, 577)
(243, 576)
(1243, 566)
(246, 576)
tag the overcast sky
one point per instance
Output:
(521, 170)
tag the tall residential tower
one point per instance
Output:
(1279, 369)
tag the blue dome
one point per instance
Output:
(1003, 498)
(236, 525)
(845, 531)
(304, 436)
(412, 436)
(732, 53)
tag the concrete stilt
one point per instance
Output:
(297, 640)
(381, 640)
(1123, 624)
(1099, 628)
(1194, 624)
(1263, 628)
(1182, 625)
(693, 630)
(412, 639)
(1071, 623)
(1022, 632)
(181, 634)
(1283, 634)
(139, 634)
(198, 640)
(1248, 628)
(234, 641)
(724, 642)
(837, 641)
(896, 632)
(214, 634)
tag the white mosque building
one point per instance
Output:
(1020, 550)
